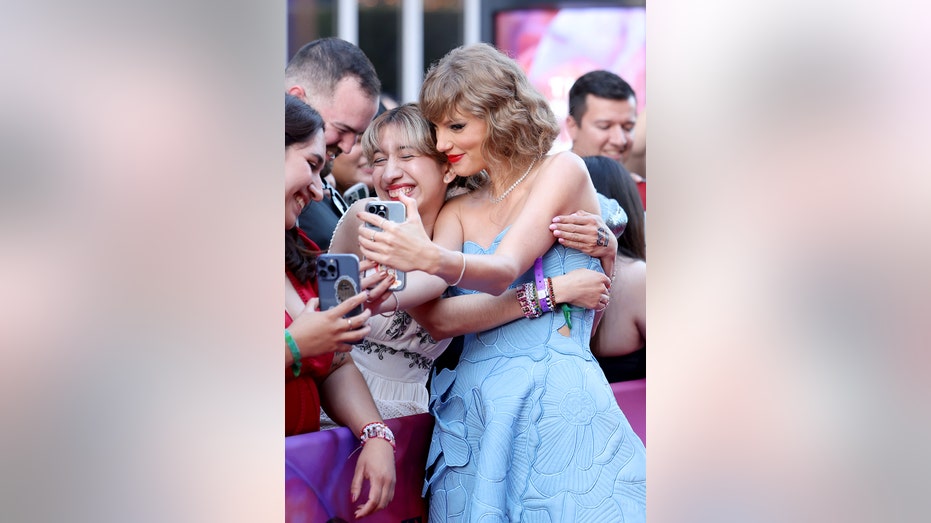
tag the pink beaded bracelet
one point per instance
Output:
(526, 296)
(377, 429)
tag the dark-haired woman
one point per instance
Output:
(620, 340)
(318, 368)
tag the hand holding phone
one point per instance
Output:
(394, 212)
(338, 280)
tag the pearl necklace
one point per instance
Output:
(505, 194)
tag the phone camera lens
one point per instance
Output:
(327, 269)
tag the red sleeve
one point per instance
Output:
(302, 396)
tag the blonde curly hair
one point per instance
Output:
(482, 81)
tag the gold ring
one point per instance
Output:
(373, 236)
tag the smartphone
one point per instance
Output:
(356, 193)
(395, 212)
(338, 280)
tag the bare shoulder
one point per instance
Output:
(457, 199)
(633, 272)
(639, 267)
(564, 176)
(565, 162)
(459, 203)
(563, 168)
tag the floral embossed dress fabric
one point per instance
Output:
(527, 427)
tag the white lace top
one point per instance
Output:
(396, 359)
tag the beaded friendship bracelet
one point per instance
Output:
(550, 294)
(526, 296)
(377, 429)
(295, 353)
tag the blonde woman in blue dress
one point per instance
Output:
(396, 357)
(527, 428)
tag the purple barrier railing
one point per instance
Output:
(632, 398)
(319, 466)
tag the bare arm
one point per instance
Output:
(639, 298)
(624, 329)
(344, 235)
(421, 287)
(464, 314)
(588, 233)
(561, 187)
(346, 398)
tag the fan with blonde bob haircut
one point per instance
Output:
(418, 135)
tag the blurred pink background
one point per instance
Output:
(556, 46)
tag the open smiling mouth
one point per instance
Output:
(395, 192)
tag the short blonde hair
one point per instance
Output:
(417, 133)
(484, 82)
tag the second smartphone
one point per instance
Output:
(338, 280)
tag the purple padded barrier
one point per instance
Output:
(319, 468)
(632, 398)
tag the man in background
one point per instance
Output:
(336, 78)
(602, 116)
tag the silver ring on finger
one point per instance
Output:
(382, 224)
(348, 321)
(602, 239)
(373, 237)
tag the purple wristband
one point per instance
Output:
(541, 285)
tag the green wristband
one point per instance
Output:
(295, 353)
(567, 314)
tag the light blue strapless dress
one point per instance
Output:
(527, 427)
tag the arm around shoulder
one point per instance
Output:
(562, 186)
